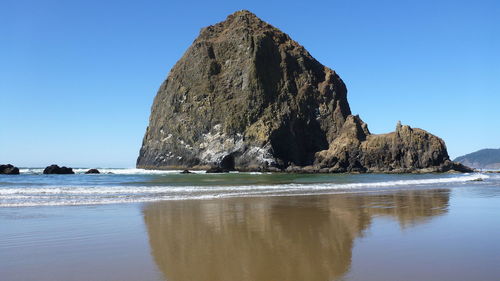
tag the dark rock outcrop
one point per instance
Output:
(246, 96)
(9, 170)
(55, 169)
(216, 170)
(405, 150)
(92, 171)
(186, 172)
(225, 165)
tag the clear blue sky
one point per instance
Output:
(77, 78)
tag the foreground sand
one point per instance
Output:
(432, 234)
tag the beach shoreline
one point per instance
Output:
(316, 237)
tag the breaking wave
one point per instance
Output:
(52, 195)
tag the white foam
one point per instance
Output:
(30, 171)
(85, 195)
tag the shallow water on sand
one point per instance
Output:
(32, 188)
(439, 230)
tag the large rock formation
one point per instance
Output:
(247, 93)
(405, 150)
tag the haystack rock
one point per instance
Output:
(247, 93)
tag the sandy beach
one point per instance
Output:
(419, 234)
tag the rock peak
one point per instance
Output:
(242, 21)
(245, 17)
(243, 13)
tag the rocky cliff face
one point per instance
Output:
(247, 93)
(405, 150)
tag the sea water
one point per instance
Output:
(113, 186)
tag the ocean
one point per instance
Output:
(115, 186)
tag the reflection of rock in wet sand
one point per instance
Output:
(274, 238)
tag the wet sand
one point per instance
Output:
(431, 234)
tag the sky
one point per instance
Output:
(78, 78)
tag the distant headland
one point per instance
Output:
(487, 159)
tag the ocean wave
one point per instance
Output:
(84, 195)
(160, 189)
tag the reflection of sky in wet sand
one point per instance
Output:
(274, 238)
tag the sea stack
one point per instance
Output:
(246, 93)
(92, 171)
(55, 169)
(9, 169)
